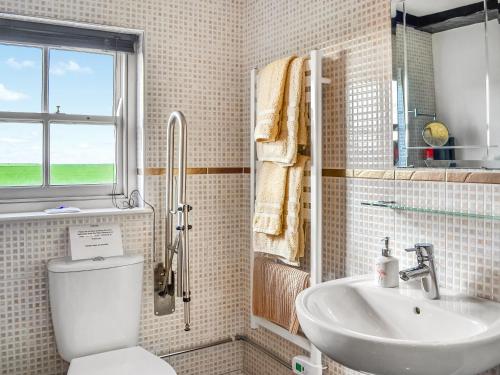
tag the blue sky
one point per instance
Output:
(79, 82)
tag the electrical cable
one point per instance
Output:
(134, 201)
(135, 198)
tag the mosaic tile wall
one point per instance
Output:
(221, 360)
(356, 38)
(193, 63)
(356, 42)
(203, 78)
(208, 78)
(26, 338)
(27, 344)
(467, 255)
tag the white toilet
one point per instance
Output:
(96, 310)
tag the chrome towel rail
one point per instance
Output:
(199, 347)
(228, 340)
(263, 350)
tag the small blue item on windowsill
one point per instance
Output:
(62, 210)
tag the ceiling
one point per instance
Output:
(424, 7)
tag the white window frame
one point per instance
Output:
(126, 117)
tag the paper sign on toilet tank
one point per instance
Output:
(91, 241)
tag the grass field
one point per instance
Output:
(60, 174)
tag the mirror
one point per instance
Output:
(446, 83)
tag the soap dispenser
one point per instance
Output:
(386, 268)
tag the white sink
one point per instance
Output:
(397, 331)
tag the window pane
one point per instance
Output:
(82, 154)
(21, 154)
(20, 78)
(81, 82)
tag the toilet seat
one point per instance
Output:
(127, 361)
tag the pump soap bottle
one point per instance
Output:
(386, 268)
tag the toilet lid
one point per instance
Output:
(128, 361)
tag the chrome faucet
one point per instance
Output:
(425, 270)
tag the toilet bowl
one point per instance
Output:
(128, 361)
(96, 310)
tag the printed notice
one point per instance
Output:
(87, 242)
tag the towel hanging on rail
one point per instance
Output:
(270, 92)
(289, 245)
(270, 198)
(275, 287)
(292, 126)
(302, 132)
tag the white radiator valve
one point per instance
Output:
(303, 365)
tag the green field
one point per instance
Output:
(60, 174)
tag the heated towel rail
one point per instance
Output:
(314, 81)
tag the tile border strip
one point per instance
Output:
(155, 171)
(440, 175)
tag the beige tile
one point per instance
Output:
(456, 176)
(428, 175)
(483, 178)
(374, 174)
(403, 174)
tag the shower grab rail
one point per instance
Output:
(165, 280)
(315, 82)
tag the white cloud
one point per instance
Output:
(11, 140)
(10, 95)
(15, 64)
(62, 67)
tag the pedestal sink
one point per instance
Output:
(397, 331)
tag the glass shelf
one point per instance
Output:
(399, 207)
(450, 147)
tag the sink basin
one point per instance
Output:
(397, 331)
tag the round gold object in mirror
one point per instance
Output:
(435, 134)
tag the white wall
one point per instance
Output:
(459, 78)
(494, 76)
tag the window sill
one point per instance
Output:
(40, 215)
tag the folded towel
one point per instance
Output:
(270, 90)
(275, 288)
(302, 134)
(284, 148)
(302, 237)
(289, 245)
(270, 198)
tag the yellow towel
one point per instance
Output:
(270, 90)
(275, 288)
(289, 245)
(302, 236)
(284, 148)
(270, 197)
(302, 135)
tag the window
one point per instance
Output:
(67, 108)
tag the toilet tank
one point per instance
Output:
(95, 304)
